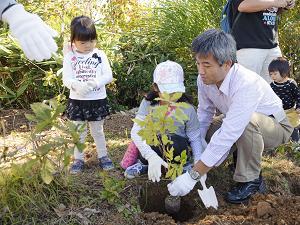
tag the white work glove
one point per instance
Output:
(93, 83)
(183, 184)
(81, 88)
(34, 36)
(154, 167)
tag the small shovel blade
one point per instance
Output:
(208, 197)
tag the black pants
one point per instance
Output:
(179, 144)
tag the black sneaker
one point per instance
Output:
(242, 192)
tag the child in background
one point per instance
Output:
(167, 77)
(287, 91)
(86, 71)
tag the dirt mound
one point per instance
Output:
(154, 218)
(263, 209)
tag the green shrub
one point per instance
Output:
(135, 38)
(289, 32)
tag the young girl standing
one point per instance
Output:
(168, 77)
(86, 71)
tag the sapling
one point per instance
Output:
(156, 129)
(47, 115)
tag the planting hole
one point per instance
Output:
(152, 199)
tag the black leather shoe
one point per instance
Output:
(243, 191)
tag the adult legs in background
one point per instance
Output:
(258, 60)
(273, 53)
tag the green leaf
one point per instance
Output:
(47, 172)
(182, 105)
(169, 154)
(6, 50)
(175, 96)
(44, 149)
(7, 89)
(164, 139)
(177, 158)
(42, 111)
(31, 117)
(21, 89)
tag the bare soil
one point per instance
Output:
(281, 205)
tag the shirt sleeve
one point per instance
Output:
(145, 150)
(244, 104)
(104, 71)
(68, 73)
(206, 109)
(193, 134)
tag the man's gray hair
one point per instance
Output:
(221, 45)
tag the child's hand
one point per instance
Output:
(92, 83)
(81, 88)
(298, 110)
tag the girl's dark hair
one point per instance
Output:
(150, 96)
(281, 65)
(83, 29)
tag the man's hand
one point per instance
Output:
(182, 185)
(34, 36)
(81, 88)
(154, 168)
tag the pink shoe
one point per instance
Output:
(130, 156)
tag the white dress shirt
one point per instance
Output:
(242, 93)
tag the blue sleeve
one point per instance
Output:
(144, 108)
(6, 3)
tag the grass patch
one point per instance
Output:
(88, 198)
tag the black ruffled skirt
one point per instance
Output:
(87, 110)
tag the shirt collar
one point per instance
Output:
(225, 86)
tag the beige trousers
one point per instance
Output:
(262, 132)
(258, 60)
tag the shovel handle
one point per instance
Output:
(203, 184)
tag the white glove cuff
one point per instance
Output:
(13, 13)
(150, 155)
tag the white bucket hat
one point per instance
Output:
(169, 77)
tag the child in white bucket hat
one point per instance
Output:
(168, 77)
